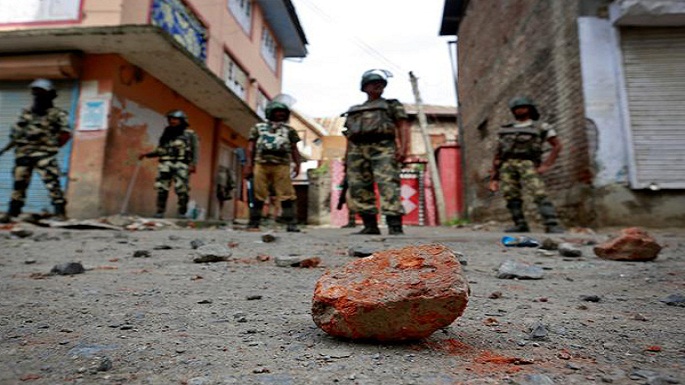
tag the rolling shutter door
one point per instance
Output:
(14, 96)
(655, 83)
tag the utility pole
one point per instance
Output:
(435, 176)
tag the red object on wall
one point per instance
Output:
(449, 166)
(410, 194)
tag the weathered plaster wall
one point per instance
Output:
(84, 197)
(600, 64)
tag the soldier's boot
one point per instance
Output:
(288, 216)
(549, 217)
(60, 212)
(515, 207)
(351, 220)
(182, 205)
(13, 211)
(370, 225)
(394, 224)
(161, 204)
(255, 215)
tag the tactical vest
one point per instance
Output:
(178, 149)
(370, 122)
(39, 132)
(274, 139)
(521, 142)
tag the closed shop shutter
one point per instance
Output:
(13, 97)
(654, 66)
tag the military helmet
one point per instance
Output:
(178, 114)
(275, 106)
(43, 84)
(521, 101)
(375, 75)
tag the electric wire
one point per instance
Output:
(356, 40)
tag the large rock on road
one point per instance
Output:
(392, 295)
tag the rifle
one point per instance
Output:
(250, 191)
(342, 199)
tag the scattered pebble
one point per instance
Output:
(141, 254)
(69, 268)
(268, 238)
(569, 250)
(675, 300)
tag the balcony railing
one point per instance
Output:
(179, 21)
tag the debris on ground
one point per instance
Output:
(69, 268)
(212, 253)
(633, 244)
(511, 269)
(549, 244)
(567, 249)
(511, 241)
(384, 296)
(268, 238)
(297, 261)
(141, 254)
(360, 251)
(675, 300)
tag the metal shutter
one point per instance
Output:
(13, 97)
(654, 65)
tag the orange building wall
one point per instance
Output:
(225, 34)
(103, 162)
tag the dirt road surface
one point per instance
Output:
(160, 318)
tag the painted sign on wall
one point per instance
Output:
(34, 11)
(180, 22)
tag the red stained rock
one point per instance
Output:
(393, 295)
(633, 244)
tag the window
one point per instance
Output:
(262, 101)
(234, 77)
(269, 48)
(242, 11)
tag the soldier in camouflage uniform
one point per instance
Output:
(37, 137)
(272, 148)
(376, 146)
(178, 154)
(518, 164)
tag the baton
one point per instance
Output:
(129, 190)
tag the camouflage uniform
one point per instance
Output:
(37, 141)
(371, 130)
(176, 153)
(520, 152)
(273, 142)
(520, 148)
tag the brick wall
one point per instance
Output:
(523, 47)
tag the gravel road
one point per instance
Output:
(144, 313)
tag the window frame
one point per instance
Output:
(228, 75)
(268, 48)
(242, 11)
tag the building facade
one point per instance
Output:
(606, 74)
(121, 65)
